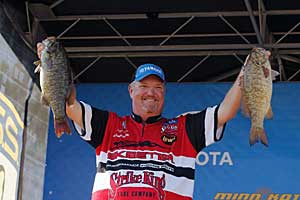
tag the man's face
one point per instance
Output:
(147, 96)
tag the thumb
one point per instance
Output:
(39, 48)
(72, 96)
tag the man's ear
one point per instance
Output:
(130, 90)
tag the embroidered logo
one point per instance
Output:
(122, 132)
(169, 131)
(118, 179)
(168, 139)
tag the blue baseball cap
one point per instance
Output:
(147, 70)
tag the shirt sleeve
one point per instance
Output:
(202, 126)
(94, 124)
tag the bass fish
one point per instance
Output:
(257, 92)
(55, 81)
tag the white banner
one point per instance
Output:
(11, 129)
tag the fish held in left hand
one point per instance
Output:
(55, 81)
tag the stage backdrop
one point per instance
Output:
(14, 89)
(230, 169)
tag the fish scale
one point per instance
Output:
(256, 93)
(56, 81)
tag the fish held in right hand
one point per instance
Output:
(56, 81)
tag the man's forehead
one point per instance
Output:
(154, 81)
(151, 78)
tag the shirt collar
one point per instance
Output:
(150, 120)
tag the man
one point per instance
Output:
(144, 155)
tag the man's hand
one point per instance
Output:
(40, 46)
(72, 96)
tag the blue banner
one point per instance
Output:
(230, 169)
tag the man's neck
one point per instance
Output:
(146, 118)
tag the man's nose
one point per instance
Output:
(151, 91)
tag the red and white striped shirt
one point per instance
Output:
(149, 160)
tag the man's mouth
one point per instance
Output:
(149, 100)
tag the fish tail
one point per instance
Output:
(61, 127)
(258, 134)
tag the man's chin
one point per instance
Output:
(150, 108)
(151, 112)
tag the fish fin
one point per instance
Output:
(269, 114)
(44, 100)
(244, 107)
(61, 127)
(274, 74)
(37, 63)
(38, 68)
(266, 71)
(258, 134)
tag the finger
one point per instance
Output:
(40, 47)
(268, 54)
(72, 96)
(241, 81)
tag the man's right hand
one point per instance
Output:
(40, 46)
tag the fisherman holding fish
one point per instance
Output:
(143, 155)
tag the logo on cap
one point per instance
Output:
(147, 70)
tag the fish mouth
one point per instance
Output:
(51, 39)
(50, 43)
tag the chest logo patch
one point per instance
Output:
(121, 132)
(169, 131)
(168, 139)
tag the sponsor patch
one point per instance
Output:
(121, 179)
(122, 132)
(168, 139)
(169, 131)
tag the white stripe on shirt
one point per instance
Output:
(87, 123)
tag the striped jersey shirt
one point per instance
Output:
(152, 160)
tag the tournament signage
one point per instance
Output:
(256, 196)
(11, 128)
